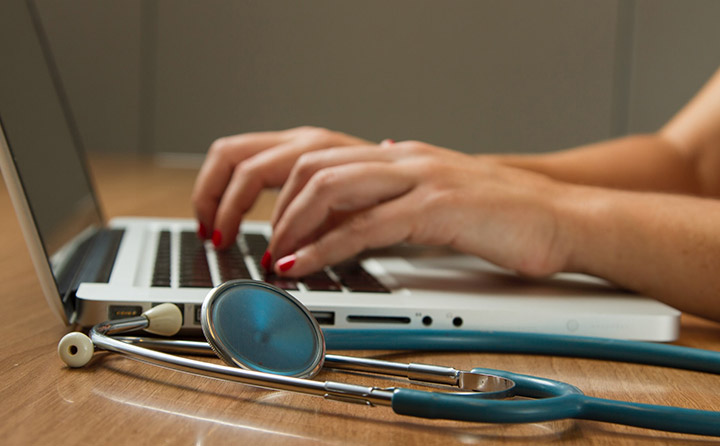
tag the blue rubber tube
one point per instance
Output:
(527, 343)
(556, 401)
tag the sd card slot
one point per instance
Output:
(378, 319)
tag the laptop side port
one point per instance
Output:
(324, 317)
(379, 319)
(123, 311)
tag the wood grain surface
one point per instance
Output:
(120, 401)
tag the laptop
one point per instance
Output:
(91, 270)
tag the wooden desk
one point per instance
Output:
(120, 401)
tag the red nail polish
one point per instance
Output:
(266, 261)
(286, 263)
(387, 142)
(201, 231)
(216, 238)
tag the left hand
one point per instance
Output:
(338, 202)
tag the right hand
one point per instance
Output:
(237, 168)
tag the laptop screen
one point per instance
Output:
(41, 137)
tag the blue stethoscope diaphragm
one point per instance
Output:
(276, 343)
(256, 326)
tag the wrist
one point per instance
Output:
(586, 229)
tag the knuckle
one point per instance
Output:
(306, 164)
(416, 148)
(227, 147)
(423, 166)
(244, 169)
(319, 135)
(324, 181)
(219, 147)
(246, 175)
(303, 129)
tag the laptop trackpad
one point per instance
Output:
(442, 269)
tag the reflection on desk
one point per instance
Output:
(120, 401)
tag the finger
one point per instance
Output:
(217, 169)
(348, 187)
(266, 169)
(383, 225)
(310, 163)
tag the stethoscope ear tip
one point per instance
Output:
(164, 319)
(75, 349)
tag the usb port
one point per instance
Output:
(324, 317)
(198, 311)
(124, 311)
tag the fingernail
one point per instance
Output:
(387, 142)
(286, 263)
(266, 261)
(216, 238)
(201, 231)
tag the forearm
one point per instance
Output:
(661, 245)
(639, 162)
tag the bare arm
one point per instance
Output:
(602, 209)
(662, 245)
(683, 157)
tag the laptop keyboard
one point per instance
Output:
(194, 268)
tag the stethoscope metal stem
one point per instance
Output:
(328, 389)
(541, 399)
(491, 386)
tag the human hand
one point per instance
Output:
(341, 201)
(238, 167)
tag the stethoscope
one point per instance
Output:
(269, 339)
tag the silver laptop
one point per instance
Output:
(91, 270)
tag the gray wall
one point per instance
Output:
(475, 75)
(677, 48)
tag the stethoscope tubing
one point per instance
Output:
(554, 400)
(558, 401)
(665, 355)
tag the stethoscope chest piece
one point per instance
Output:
(258, 327)
(276, 342)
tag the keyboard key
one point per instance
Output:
(232, 264)
(257, 244)
(285, 283)
(320, 281)
(354, 277)
(161, 273)
(194, 268)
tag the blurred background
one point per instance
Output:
(169, 76)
